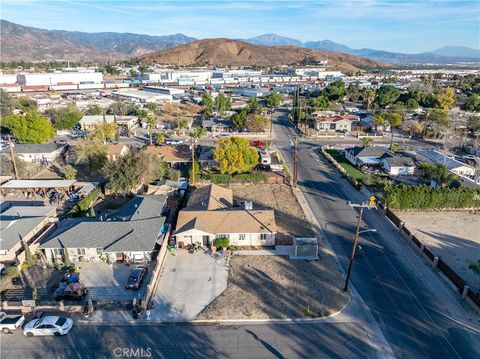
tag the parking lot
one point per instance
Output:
(187, 284)
(107, 281)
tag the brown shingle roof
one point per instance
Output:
(227, 221)
(210, 198)
(179, 153)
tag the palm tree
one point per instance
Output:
(194, 136)
(151, 121)
(369, 96)
(366, 141)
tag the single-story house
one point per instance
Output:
(398, 165)
(173, 155)
(116, 151)
(23, 223)
(134, 234)
(339, 123)
(370, 156)
(88, 122)
(435, 157)
(210, 214)
(218, 126)
(44, 152)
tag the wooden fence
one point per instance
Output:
(437, 262)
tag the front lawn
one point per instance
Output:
(352, 171)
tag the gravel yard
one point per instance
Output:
(289, 216)
(453, 236)
(261, 287)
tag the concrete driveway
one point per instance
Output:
(187, 284)
(107, 282)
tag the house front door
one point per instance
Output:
(206, 241)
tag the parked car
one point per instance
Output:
(137, 275)
(173, 141)
(9, 323)
(70, 291)
(49, 325)
(2, 268)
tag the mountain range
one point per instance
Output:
(228, 52)
(33, 44)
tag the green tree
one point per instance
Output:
(378, 120)
(369, 95)
(66, 257)
(222, 103)
(160, 137)
(69, 172)
(6, 103)
(473, 124)
(26, 104)
(152, 106)
(472, 103)
(446, 98)
(256, 123)
(319, 103)
(195, 135)
(439, 121)
(121, 109)
(387, 95)
(28, 253)
(394, 120)
(394, 147)
(235, 155)
(438, 173)
(273, 99)
(123, 175)
(239, 120)
(94, 110)
(31, 128)
(151, 121)
(64, 118)
(207, 105)
(92, 152)
(253, 106)
(335, 91)
(366, 141)
(353, 92)
(105, 131)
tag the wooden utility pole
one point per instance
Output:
(14, 162)
(362, 206)
(295, 162)
(193, 161)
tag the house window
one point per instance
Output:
(81, 251)
(222, 236)
(58, 251)
(263, 236)
(241, 237)
(99, 251)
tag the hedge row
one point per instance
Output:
(219, 178)
(84, 204)
(425, 197)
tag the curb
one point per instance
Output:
(213, 322)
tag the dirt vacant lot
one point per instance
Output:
(261, 287)
(289, 216)
(453, 236)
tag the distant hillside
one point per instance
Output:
(31, 44)
(274, 40)
(226, 52)
(452, 51)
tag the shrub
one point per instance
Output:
(12, 272)
(222, 242)
(220, 178)
(83, 205)
(25, 266)
(425, 197)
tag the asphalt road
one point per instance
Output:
(418, 314)
(340, 340)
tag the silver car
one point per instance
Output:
(51, 325)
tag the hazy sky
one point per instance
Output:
(396, 25)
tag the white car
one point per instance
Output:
(51, 325)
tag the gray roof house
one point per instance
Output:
(360, 156)
(22, 223)
(38, 152)
(398, 165)
(133, 233)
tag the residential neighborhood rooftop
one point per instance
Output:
(20, 184)
(209, 198)
(35, 148)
